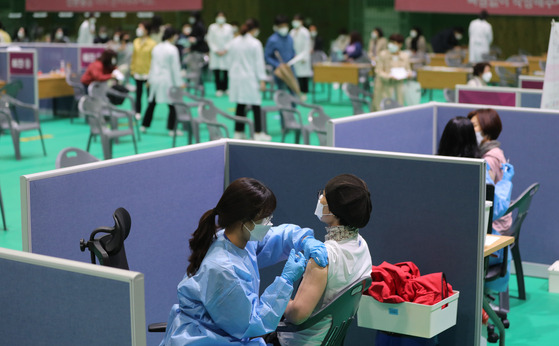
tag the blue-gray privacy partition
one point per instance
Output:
(376, 130)
(528, 139)
(419, 213)
(165, 192)
(53, 301)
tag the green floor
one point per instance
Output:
(533, 322)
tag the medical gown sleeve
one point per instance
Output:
(501, 201)
(279, 241)
(236, 308)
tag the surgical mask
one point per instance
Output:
(314, 33)
(374, 35)
(116, 38)
(393, 48)
(92, 21)
(255, 33)
(103, 35)
(113, 61)
(458, 36)
(259, 231)
(235, 29)
(21, 34)
(187, 31)
(319, 209)
(486, 77)
(220, 20)
(413, 34)
(192, 20)
(59, 35)
(283, 31)
(140, 32)
(479, 137)
(296, 24)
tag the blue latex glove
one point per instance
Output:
(294, 267)
(488, 179)
(508, 171)
(316, 250)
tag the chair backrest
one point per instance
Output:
(318, 56)
(207, 113)
(109, 249)
(284, 99)
(99, 90)
(12, 88)
(506, 77)
(73, 156)
(453, 59)
(342, 310)
(519, 209)
(92, 109)
(518, 58)
(449, 95)
(389, 103)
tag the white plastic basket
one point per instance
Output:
(554, 277)
(406, 318)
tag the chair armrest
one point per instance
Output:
(295, 112)
(239, 119)
(159, 327)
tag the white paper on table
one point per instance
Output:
(398, 73)
(490, 239)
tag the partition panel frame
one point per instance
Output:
(518, 92)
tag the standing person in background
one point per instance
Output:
(219, 36)
(198, 34)
(4, 36)
(481, 37)
(316, 39)
(164, 73)
(247, 72)
(157, 28)
(416, 42)
(86, 32)
(235, 28)
(302, 61)
(339, 45)
(447, 39)
(21, 35)
(392, 68)
(280, 42)
(377, 43)
(355, 48)
(183, 43)
(141, 62)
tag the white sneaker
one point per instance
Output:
(262, 136)
(142, 129)
(239, 135)
(138, 116)
(172, 133)
(219, 93)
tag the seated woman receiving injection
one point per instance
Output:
(219, 297)
(344, 206)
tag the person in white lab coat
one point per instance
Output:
(218, 38)
(481, 37)
(302, 43)
(164, 73)
(86, 32)
(246, 76)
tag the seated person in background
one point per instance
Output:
(345, 206)
(482, 75)
(392, 68)
(102, 69)
(416, 42)
(355, 48)
(339, 45)
(447, 39)
(59, 36)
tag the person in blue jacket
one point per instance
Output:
(219, 300)
(280, 41)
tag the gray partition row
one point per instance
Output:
(53, 301)
(528, 139)
(419, 212)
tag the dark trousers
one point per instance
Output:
(171, 119)
(139, 92)
(221, 80)
(304, 84)
(240, 127)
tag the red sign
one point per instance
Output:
(503, 7)
(112, 5)
(89, 54)
(21, 63)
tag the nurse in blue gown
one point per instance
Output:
(219, 301)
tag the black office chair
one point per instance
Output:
(341, 309)
(109, 249)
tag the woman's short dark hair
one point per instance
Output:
(349, 199)
(480, 67)
(147, 26)
(243, 200)
(379, 31)
(248, 25)
(489, 121)
(281, 19)
(168, 33)
(459, 139)
(355, 36)
(107, 57)
(396, 37)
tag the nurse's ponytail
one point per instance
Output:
(244, 199)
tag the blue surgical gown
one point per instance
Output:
(220, 304)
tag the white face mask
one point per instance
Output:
(296, 24)
(116, 38)
(374, 35)
(393, 48)
(235, 29)
(283, 31)
(486, 77)
(187, 31)
(59, 35)
(319, 211)
(140, 32)
(458, 36)
(259, 231)
(255, 33)
(103, 35)
(21, 34)
(220, 20)
(479, 137)
(314, 33)
(192, 20)
(413, 34)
